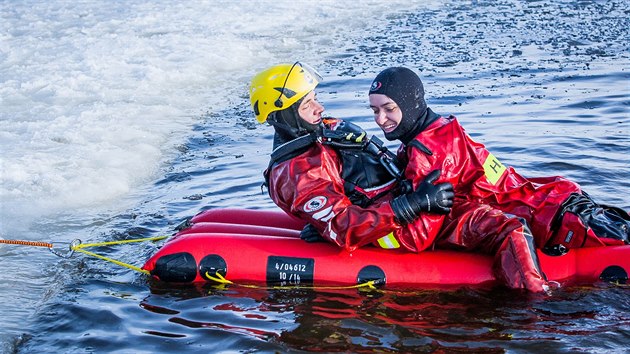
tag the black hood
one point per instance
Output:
(289, 125)
(405, 88)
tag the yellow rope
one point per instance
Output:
(79, 247)
(368, 284)
(222, 280)
(219, 278)
(113, 261)
(109, 243)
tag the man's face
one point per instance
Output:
(310, 110)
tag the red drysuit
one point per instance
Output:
(496, 211)
(310, 187)
(493, 207)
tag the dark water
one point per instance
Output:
(106, 316)
(545, 85)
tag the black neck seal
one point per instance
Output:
(289, 125)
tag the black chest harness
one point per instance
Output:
(367, 165)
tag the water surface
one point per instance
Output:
(120, 120)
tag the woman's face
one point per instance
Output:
(387, 114)
(310, 110)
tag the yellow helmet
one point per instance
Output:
(280, 86)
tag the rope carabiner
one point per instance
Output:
(66, 254)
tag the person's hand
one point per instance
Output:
(310, 234)
(432, 198)
(428, 198)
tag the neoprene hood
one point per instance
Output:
(405, 88)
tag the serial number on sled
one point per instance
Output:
(290, 270)
(288, 267)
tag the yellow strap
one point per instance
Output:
(222, 280)
(79, 247)
(358, 139)
(388, 241)
(109, 243)
(113, 261)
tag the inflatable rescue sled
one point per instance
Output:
(256, 246)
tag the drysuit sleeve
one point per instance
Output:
(441, 147)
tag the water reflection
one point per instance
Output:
(393, 320)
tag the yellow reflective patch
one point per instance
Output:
(493, 169)
(388, 241)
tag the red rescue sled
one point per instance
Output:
(246, 246)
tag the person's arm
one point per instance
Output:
(439, 149)
(310, 187)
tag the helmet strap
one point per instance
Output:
(289, 124)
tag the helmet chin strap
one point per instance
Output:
(289, 124)
(304, 127)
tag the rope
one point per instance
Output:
(77, 246)
(368, 284)
(27, 243)
(109, 243)
(222, 280)
(113, 261)
(219, 278)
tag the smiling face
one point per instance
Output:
(310, 110)
(387, 114)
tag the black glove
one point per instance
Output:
(310, 234)
(428, 198)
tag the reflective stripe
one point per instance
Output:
(333, 235)
(388, 241)
(493, 169)
(371, 189)
(324, 215)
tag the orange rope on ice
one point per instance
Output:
(27, 243)
(76, 245)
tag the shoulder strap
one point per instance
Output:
(284, 151)
(287, 151)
